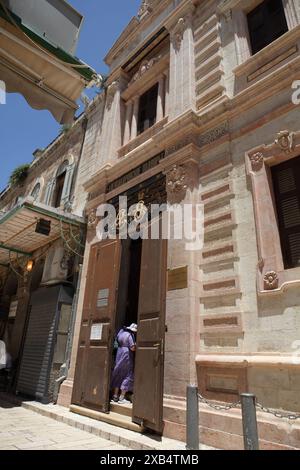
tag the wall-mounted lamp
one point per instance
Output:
(29, 266)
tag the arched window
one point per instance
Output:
(36, 191)
(59, 187)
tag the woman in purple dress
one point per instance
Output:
(123, 372)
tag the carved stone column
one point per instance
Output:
(167, 92)
(127, 130)
(292, 12)
(182, 66)
(111, 136)
(160, 98)
(135, 117)
(241, 35)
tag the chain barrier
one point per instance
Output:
(278, 414)
(230, 406)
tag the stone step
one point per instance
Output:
(116, 419)
(125, 410)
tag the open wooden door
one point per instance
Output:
(92, 378)
(149, 365)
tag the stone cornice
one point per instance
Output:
(136, 87)
(274, 83)
(133, 30)
(100, 179)
(184, 8)
(226, 5)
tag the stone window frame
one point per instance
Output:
(152, 71)
(70, 162)
(272, 277)
(239, 9)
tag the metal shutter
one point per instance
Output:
(37, 353)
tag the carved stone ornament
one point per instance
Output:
(145, 8)
(177, 33)
(111, 91)
(271, 280)
(92, 218)
(145, 66)
(286, 141)
(213, 135)
(257, 161)
(177, 180)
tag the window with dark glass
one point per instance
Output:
(286, 183)
(147, 109)
(60, 183)
(267, 22)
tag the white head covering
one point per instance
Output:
(132, 327)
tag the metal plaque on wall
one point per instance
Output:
(178, 278)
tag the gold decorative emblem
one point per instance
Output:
(139, 211)
(121, 219)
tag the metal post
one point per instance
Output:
(248, 401)
(192, 418)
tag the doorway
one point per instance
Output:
(126, 283)
(127, 309)
(129, 284)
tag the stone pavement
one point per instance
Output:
(22, 429)
(30, 418)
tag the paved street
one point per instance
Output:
(21, 429)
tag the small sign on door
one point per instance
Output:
(102, 298)
(96, 332)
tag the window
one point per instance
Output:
(59, 184)
(286, 181)
(36, 191)
(267, 22)
(147, 109)
(60, 181)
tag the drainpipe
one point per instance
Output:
(63, 373)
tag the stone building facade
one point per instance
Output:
(197, 109)
(42, 228)
(221, 119)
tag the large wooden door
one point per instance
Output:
(148, 388)
(92, 379)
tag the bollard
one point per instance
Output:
(248, 401)
(192, 418)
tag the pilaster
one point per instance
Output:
(182, 65)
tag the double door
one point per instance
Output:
(94, 360)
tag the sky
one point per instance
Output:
(22, 129)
